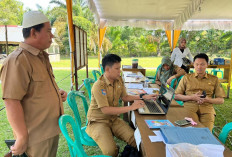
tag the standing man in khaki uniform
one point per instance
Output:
(32, 98)
(190, 90)
(103, 111)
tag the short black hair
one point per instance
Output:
(203, 56)
(27, 31)
(110, 59)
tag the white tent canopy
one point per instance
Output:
(164, 14)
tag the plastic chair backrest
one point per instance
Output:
(156, 72)
(72, 103)
(224, 133)
(75, 146)
(87, 83)
(174, 80)
(180, 78)
(85, 138)
(102, 70)
(181, 103)
(173, 83)
(95, 72)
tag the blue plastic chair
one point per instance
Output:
(224, 133)
(85, 139)
(87, 84)
(102, 70)
(154, 78)
(181, 103)
(75, 146)
(172, 84)
(95, 73)
(174, 80)
(215, 71)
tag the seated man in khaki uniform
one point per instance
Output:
(33, 100)
(103, 119)
(190, 90)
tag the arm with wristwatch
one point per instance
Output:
(142, 96)
(138, 103)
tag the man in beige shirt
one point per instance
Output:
(103, 120)
(32, 98)
(190, 90)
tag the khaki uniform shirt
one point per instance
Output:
(27, 76)
(105, 94)
(191, 84)
(177, 73)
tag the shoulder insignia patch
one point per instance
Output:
(103, 91)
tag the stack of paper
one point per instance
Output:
(135, 86)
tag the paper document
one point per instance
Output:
(137, 138)
(135, 91)
(133, 118)
(150, 90)
(157, 138)
(134, 75)
(135, 86)
(157, 133)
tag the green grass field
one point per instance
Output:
(150, 62)
(224, 113)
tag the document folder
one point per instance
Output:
(175, 135)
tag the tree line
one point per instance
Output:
(124, 41)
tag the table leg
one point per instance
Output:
(228, 92)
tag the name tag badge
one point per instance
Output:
(103, 91)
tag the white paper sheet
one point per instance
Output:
(137, 138)
(150, 90)
(157, 138)
(135, 86)
(133, 118)
(158, 133)
(134, 75)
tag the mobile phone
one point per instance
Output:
(203, 95)
(9, 143)
(182, 122)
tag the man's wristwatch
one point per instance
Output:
(141, 96)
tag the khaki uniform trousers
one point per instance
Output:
(207, 119)
(47, 148)
(103, 132)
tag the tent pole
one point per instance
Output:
(6, 40)
(71, 40)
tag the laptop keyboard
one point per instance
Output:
(152, 107)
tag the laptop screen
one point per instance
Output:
(166, 95)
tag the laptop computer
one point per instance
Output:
(161, 104)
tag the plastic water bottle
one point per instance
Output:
(146, 82)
